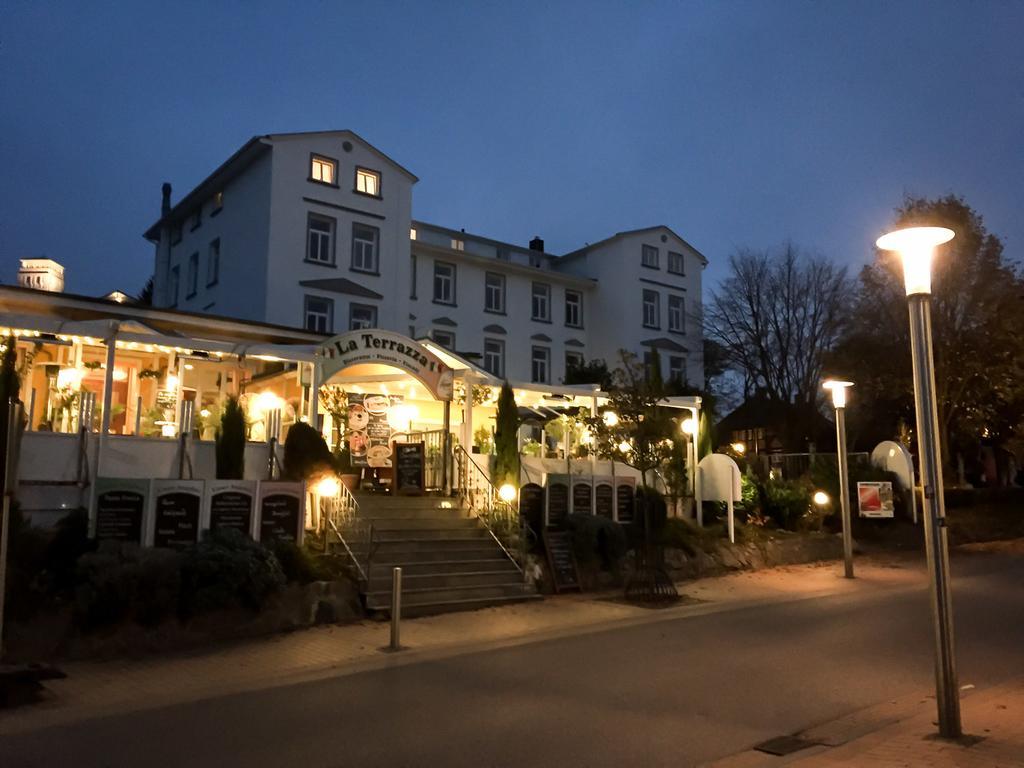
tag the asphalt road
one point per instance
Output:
(676, 692)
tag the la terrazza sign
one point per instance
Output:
(386, 348)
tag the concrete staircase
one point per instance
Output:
(449, 561)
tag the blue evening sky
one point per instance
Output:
(735, 123)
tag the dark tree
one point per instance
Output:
(506, 438)
(145, 296)
(230, 442)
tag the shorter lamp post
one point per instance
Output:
(917, 245)
(838, 390)
(689, 428)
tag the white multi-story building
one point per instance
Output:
(315, 230)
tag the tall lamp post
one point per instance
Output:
(916, 246)
(838, 390)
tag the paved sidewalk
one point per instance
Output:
(95, 689)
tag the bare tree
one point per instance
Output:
(776, 316)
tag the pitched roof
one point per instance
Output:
(618, 235)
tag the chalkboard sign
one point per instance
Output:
(176, 505)
(166, 398)
(281, 511)
(604, 500)
(121, 508)
(625, 497)
(581, 498)
(558, 504)
(561, 560)
(230, 504)
(409, 465)
(531, 505)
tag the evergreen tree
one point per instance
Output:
(506, 438)
(231, 442)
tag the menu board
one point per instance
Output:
(229, 504)
(531, 505)
(604, 500)
(121, 508)
(410, 462)
(176, 505)
(625, 499)
(581, 493)
(368, 432)
(281, 511)
(875, 499)
(561, 560)
(558, 501)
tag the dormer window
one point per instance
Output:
(367, 182)
(323, 170)
(458, 245)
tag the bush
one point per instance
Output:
(787, 503)
(123, 581)
(297, 563)
(597, 541)
(825, 476)
(230, 442)
(228, 569)
(70, 541)
(306, 453)
(25, 564)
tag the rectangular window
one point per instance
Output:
(502, 254)
(675, 263)
(649, 358)
(458, 245)
(213, 263)
(677, 369)
(319, 314)
(494, 293)
(573, 309)
(649, 256)
(676, 314)
(573, 361)
(412, 233)
(323, 170)
(193, 275)
(218, 202)
(412, 276)
(320, 239)
(445, 338)
(540, 305)
(197, 219)
(364, 248)
(361, 316)
(444, 282)
(540, 365)
(494, 357)
(652, 309)
(172, 285)
(367, 182)
(176, 234)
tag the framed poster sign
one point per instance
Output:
(558, 500)
(282, 513)
(604, 498)
(176, 513)
(582, 497)
(875, 499)
(625, 499)
(368, 431)
(409, 463)
(531, 506)
(230, 504)
(122, 504)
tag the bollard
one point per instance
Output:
(396, 608)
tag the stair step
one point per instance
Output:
(425, 552)
(380, 580)
(431, 534)
(411, 567)
(421, 523)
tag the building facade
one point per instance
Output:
(315, 230)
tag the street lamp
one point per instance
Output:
(838, 390)
(916, 245)
(689, 428)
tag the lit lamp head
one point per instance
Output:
(838, 390)
(739, 448)
(916, 246)
(611, 418)
(507, 493)
(689, 426)
(624, 446)
(821, 498)
(327, 486)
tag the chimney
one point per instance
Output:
(42, 275)
(537, 244)
(165, 202)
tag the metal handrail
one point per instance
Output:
(480, 495)
(340, 514)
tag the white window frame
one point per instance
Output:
(540, 300)
(317, 165)
(320, 237)
(364, 252)
(651, 309)
(367, 182)
(326, 316)
(494, 291)
(650, 256)
(193, 275)
(445, 282)
(494, 349)
(676, 263)
(449, 338)
(213, 262)
(458, 245)
(540, 365)
(369, 320)
(571, 354)
(573, 308)
(681, 368)
(676, 314)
